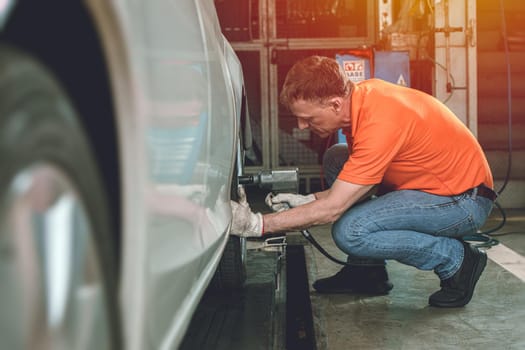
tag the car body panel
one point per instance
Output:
(162, 57)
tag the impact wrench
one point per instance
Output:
(285, 181)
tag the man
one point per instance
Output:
(434, 184)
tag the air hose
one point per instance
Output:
(306, 234)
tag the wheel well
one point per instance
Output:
(61, 35)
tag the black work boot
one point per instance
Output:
(372, 280)
(457, 290)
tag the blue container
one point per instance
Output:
(392, 66)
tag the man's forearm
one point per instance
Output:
(320, 195)
(371, 192)
(294, 219)
(327, 208)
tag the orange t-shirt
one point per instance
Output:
(403, 138)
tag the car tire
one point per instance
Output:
(58, 267)
(231, 272)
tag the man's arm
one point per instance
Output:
(328, 207)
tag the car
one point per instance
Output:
(122, 130)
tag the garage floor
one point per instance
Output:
(494, 319)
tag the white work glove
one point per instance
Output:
(284, 201)
(245, 223)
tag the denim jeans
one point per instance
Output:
(413, 227)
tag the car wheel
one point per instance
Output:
(57, 263)
(231, 272)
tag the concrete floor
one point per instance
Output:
(494, 319)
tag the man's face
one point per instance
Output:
(323, 119)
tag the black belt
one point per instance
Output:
(483, 191)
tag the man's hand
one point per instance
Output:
(284, 201)
(245, 223)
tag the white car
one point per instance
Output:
(120, 148)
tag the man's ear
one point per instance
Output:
(336, 103)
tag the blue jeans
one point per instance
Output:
(413, 227)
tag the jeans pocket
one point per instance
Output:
(459, 228)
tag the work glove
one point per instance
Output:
(245, 223)
(284, 201)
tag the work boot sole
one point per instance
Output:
(478, 269)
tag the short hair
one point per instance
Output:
(316, 79)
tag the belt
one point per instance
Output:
(483, 191)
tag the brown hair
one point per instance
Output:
(315, 78)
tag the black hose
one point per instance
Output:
(306, 234)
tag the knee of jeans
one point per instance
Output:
(347, 238)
